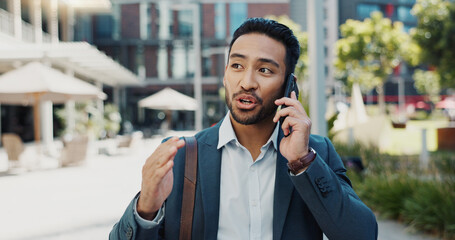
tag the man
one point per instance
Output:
(255, 179)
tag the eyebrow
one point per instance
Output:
(265, 60)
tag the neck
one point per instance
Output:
(254, 136)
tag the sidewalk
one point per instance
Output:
(84, 202)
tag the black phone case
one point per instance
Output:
(291, 85)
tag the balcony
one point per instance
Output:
(28, 30)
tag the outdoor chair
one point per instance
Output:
(74, 151)
(128, 142)
(14, 147)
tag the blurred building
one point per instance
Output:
(154, 39)
(44, 31)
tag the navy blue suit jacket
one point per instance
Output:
(319, 200)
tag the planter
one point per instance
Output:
(446, 138)
(399, 124)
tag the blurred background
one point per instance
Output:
(91, 84)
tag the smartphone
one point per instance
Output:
(291, 85)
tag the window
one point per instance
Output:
(412, 2)
(185, 23)
(3, 5)
(404, 14)
(220, 20)
(238, 13)
(104, 24)
(365, 9)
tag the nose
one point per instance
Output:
(249, 81)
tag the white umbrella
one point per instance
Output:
(169, 99)
(35, 82)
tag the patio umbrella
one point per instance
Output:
(169, 99)
(447, 103)
(36, 82)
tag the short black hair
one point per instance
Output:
(275, 30)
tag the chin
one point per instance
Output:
(246, 117)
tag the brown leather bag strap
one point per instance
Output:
(189, 188)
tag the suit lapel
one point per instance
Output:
(283, 193)
(209, 180)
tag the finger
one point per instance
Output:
(161, 172)
(293, 95)
(289, 111)
(290, 103)
(165, 152)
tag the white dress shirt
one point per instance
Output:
(246, 189)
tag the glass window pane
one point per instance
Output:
(220, 21)
(364, 10)
(238, 13)
(404, 14)
(104, 24)
(185, 23)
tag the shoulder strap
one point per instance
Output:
(189, 188)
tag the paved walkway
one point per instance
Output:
(84, 202)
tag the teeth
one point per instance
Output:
(245, 101)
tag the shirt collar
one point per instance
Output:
(227, 134)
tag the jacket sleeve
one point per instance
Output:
(328, 193)
(128, 227)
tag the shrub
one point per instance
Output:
(387, 194)
(432, 208)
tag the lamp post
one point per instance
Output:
(316, 68)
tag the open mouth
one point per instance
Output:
(246, 101)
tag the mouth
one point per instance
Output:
(246, 102)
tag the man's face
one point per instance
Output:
(254, 77)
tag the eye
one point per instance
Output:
(265, 70)
(236, 66)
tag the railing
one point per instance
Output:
(6, 23)
(28, 30)
(47, 38)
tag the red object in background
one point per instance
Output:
(397, 70)
(389, 9)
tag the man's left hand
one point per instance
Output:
(295, 145)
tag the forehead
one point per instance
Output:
(259, 46)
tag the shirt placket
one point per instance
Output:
(254, 202)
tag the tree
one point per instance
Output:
(427, 82)
(369, 50)
(435, 34)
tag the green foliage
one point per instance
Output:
(427, 82)
(435, 34)
(88, 120)
(395, 187)
(370, 49)
(112, 120)
(387, 193)
(432, 208)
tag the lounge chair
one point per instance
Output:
(74, 151)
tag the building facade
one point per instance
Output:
(154, 39)
(44, 31)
